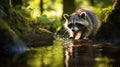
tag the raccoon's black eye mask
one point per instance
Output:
(70, 25)
(78, 25)
(75, 25)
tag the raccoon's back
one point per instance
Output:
(94, 19)
(94, 22)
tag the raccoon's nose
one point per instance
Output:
(73, 30)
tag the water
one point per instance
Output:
(65, 55)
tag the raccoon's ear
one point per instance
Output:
(82, 15)
(66, 16)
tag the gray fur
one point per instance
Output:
(82, 20)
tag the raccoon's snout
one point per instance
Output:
(73, 30)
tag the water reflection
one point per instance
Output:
(84, 54)
(72, 54)
(78, 55)
(46, 56)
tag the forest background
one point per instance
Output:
(24, 16)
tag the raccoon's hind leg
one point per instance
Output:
(83, 36)
(88, 36)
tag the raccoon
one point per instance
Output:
(81, 24)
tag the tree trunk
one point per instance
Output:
(16, 2)
(114, 16)
(68, 6)
(41, 6)
(110, 29)
(92, 3)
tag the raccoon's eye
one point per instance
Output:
(70, 25)
(78, 24)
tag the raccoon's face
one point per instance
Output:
(75, 25)
(76, 22)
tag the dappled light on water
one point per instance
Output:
(46, 56)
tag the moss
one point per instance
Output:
(5, 26)
(30, 33)
(18, 23)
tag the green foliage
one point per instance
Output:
(102, 12)
(106, 12)
(2, 13)
(103, 3)
(44, 20)
(57, 25)
(25, 13)
(22, 12)
(6, 27)
(18, 23)
(49, 22)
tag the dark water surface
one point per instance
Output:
(67, 54)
